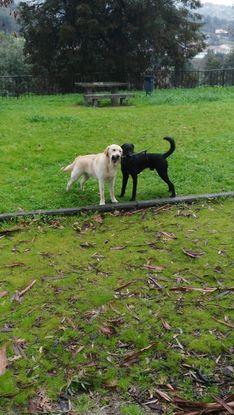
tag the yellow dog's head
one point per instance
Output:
(114, 152)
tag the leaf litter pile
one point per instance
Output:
(118, 313)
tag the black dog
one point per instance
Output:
(134, 163)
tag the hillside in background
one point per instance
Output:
(8, 23)
(218, 27)
(218, 23)
(217, 10)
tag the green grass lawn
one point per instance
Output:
(39, 135)
(109, 286)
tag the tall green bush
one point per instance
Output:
(12, 58)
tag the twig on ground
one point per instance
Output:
(224, 322)
(18, 295)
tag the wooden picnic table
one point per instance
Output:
(90, 87)
(93, 96)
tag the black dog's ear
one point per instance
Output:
(128, 148)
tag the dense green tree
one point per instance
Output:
(123, 37)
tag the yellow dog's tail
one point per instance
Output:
(69, 167)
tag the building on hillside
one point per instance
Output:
(221, 33)
(220, 49)
(200, 55)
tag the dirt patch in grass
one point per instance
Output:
(117, 307)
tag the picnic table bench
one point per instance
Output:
(91, 96)
(115, 98)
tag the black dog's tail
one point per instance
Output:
(172, 148)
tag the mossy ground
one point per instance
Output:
(74, 329)
(39, 135)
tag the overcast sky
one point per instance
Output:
(225, 2)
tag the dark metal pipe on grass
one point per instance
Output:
(127, 206)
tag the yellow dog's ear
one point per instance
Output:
(106, 152)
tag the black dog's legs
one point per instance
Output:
(124, 184)
(163, 174)
(134, 189)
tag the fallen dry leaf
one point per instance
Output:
(15, 264)
(117, 248)
(196, 408)
(204, 290)
(56, 224)
(3, 293)
(192, 254)
(166, 235)
(170, 387)
(163, 395)
(132, 357)
(72, 324)
(111, 384)
(116, 322)
(86, 245)
(115, 213)
(92, 314)
(107, 330)
(79, 349)
(125, 285)
(224, 404)
(154, 267)
(166, 325)
(153, 280)
(40, 403)
(97, 256)
(218, 269)
(186, 214)
(18, 347)
(155, 405)
(76, 226)
(162, 208)
(3, 360)
(98, 219)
